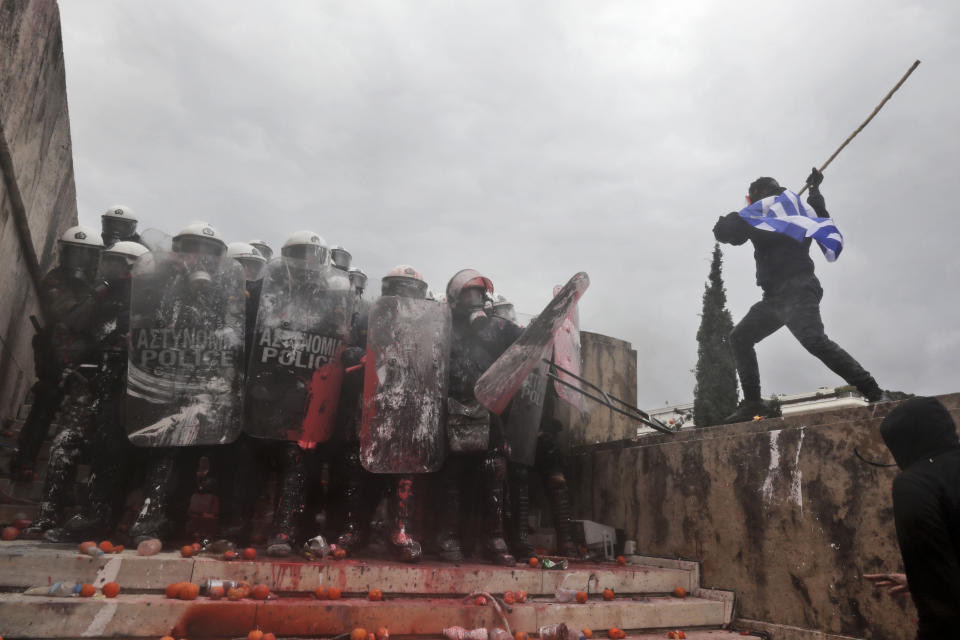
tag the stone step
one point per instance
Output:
(136, 616)
(25, 563)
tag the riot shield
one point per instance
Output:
(295, 371)
(500, 382)
(405, 386)
(522, 423)
(184, 382)
(566, 353)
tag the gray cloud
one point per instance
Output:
(531, 140)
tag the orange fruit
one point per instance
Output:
(587, 633)
(249, 554)
(215, 593)
(340, 553)
(621, 560)
(521, 635)
(679, 592)
(87, 590)
(508, 597)
(383, 633)
(110, 590)
(260, 592)
(321, 593)
(375, 594)
(173, 589)
(333, 593)
(118, 548)
(371, 636)
(10, 533)
(255, 634)
(581, 596)
(235, 594)
(196, 548)
(83, 546)
(269, 636)
(245, 587)
(186, 551)
(229, 555)
(106, 546)
(534, 562)
(521, 596)
(481, 601)
(616, 634)
(358, 634)
(189, 591)
(608, 594)
(167, 638)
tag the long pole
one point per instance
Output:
(867, 121)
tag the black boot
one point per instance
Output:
(447, 541)
(235, 469)
(493, 478)
(560, 506)
(289, 502)
(152, 521)
(353, 535)
(47, 396)
(519, 511)
(401, 520)
(748, 410)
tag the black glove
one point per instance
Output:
(731, 229)
(815, 178)
(352, 356)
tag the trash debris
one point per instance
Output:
(210, 584)
(218, 546)
(94, 551)
(565, 595)
(554, 563)
(558, 631)
(459, 633)
(499, 634)
(316, 547)
(57, 590)
(149, 547)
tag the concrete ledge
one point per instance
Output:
(154, 615)
(784, 632)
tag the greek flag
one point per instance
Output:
(789, 215)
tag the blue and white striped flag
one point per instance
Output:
(789, 215)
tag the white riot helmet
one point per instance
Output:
(341, 258)
(117, 259)
(80, 249)
(403, 280)
(467, 292)
(358, 279)
(307, 246)
(503, 308)
(249, 258)
(118, 223)
(263, 248)
(200, 238)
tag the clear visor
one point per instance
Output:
(252, 269)
(198, 246)
(404, 287)
(472, 298)
(264, 250)
(79, 257)
(311, 253)
(118, 227)
(114, 267)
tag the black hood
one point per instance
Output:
(919, 428)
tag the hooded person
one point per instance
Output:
(922, 436)
(474, 435)
(791, 291)
(67, 293)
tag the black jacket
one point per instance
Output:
(923, 439)
(779, 258)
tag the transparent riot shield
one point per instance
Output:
(295, 372)
(522, 421)
(405, 386)
(184, 382)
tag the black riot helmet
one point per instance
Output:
(404, 281)
(118, 223)
(763, 188)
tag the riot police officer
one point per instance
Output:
(119, 224)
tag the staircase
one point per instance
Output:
(419, 600)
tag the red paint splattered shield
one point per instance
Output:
(566, 353)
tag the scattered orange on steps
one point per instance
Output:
(587, 633)
(375, 595)
(235, 594)
(173, 589)
(249, 554)
(269, 636)
(260, 592)
(255, 634)
(83, 546)
(110, 590)
(87, 590)
(521, 596)
(333, 593)
(229, 555)
(371, 636)
(621, 560)
(358, 634)
(608, 594)
(118, 548)
(676, 635)
(481, 601)
(189, 591)
(581, 597)
(106, 546)
(508, 597)
(10, 533)
(679, 592)
(215, 593)
(383, 633)
(320, 593)
(167, 638)
(534, 562)
(616, 634)
(339, 553)
(521, 635)
(186, 551)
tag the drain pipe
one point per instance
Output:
(20, 221)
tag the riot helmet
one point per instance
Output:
(80, 249)
(249, 258)
(405, 281)
(467, 292)
(118, 223)
(264, 249)
(341, 258)
(199, 238)
(358, 280)
(763, 188)
(306, 246)
(117, 260)
(500, 307)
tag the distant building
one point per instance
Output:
(819, 400)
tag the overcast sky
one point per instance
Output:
(531, 140)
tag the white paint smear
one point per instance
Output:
(101, 620)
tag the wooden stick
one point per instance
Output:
(867, 121)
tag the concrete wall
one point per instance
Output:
(33, 112)
(611, 364)
(781, 511)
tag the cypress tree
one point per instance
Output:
(715, 395)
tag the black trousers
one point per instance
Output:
(796, 304)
